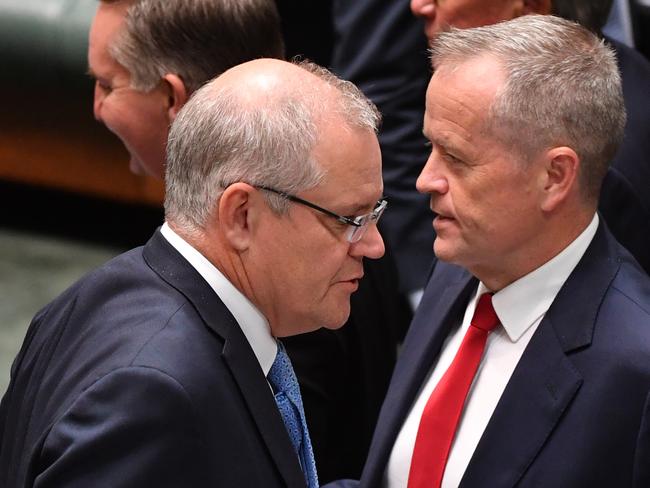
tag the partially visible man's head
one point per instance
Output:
(524, 117)
(592, 14)
(148, 56)
(440, 15)
(298, 130)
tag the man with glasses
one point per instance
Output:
(148, 57)
(356, 225)
(163, 368)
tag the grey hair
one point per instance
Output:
(220, 137)
(562, 88)
(195, 39)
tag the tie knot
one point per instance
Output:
(485, 317)
(281, 375)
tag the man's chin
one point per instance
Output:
(338, 317)
(443, 251)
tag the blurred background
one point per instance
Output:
(67, 199)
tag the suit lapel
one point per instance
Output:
(545, 381)
(540, 389)
(237, 353)
(262, 406)
(442, 306)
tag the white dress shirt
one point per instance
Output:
(520, 306)
(253, 324)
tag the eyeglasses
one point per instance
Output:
(357, 225)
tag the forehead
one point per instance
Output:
(106, 24)
(460, 96)
(352, 160)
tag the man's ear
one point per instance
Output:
(237, 211)
(542, 7)
(562, 166)
(176, 94)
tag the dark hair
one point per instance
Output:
(195, 39)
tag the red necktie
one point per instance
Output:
(443, 409)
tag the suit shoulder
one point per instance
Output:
(632, 287)
(100, 323)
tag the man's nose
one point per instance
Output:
(432, 179)
(371, 245)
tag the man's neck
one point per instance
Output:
(541, 250)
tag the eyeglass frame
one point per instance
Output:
(373, 216)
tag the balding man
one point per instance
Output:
(148, 57)
(162, 368)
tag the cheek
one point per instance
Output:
(321, 271)
(479, 212)
(320, 277)
(118, 120)
(141, 133)
(512, 210)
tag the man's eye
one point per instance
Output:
(451, 159)
(344, 224)
(103, 86)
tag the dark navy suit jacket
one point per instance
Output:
(625, 198)
(139, 376)
(381, 47)
(576, 411)
(633, 157)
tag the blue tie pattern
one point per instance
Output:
(287, 396)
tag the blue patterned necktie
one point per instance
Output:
(287, 396)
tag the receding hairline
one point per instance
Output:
(269, 76)
(272, 82)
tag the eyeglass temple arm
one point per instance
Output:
(340, 218)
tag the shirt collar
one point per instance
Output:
(522, 303)
(251, 321)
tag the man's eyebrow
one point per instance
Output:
(436, 139)
(442, 141)
(358, 208)
(363, 207)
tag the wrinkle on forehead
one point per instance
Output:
(459, 98)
